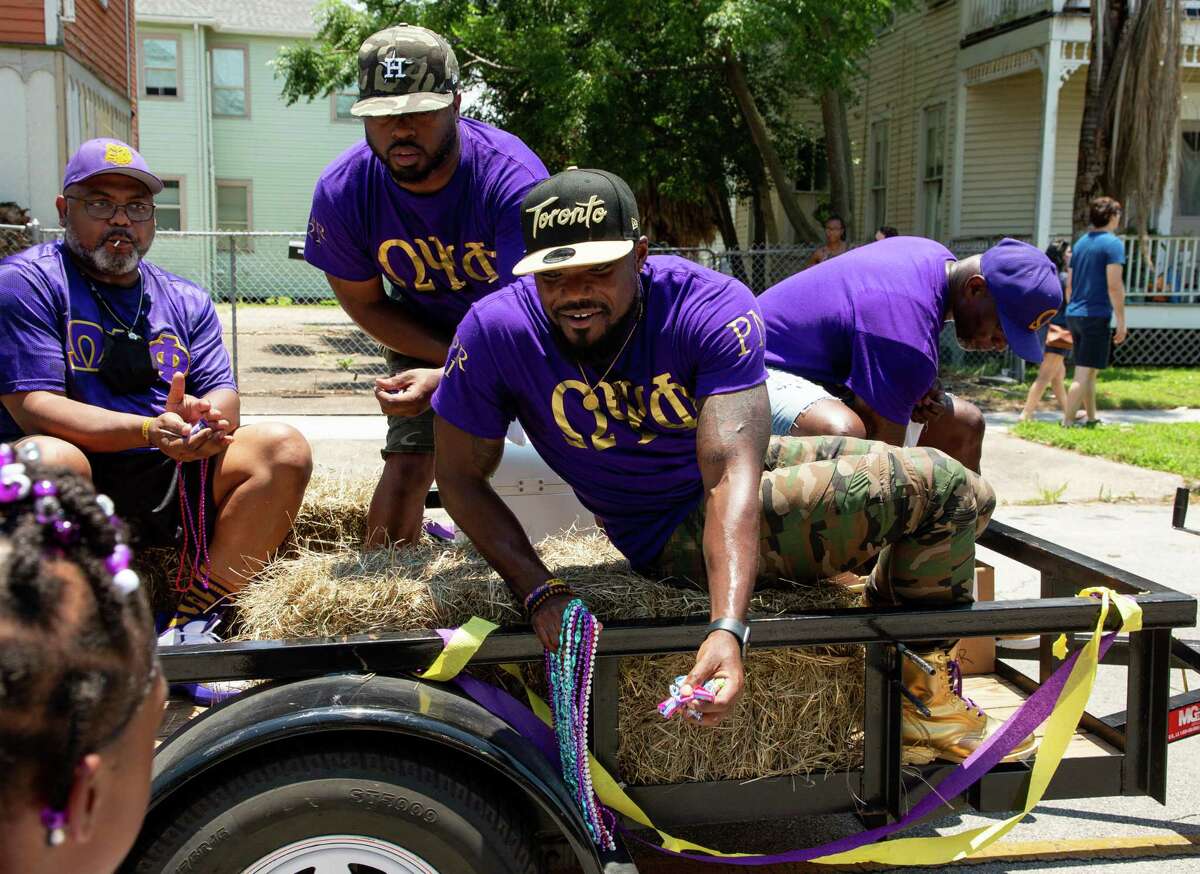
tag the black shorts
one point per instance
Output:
(407, 434)
(140, 482)
(1093, 340)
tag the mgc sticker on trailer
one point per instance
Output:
(1183, 722)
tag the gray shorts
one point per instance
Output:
(791, 396)
(407, 434)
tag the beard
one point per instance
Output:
(601, 351)
(423, 170)
(102, 262)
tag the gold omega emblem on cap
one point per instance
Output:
(1041, 320)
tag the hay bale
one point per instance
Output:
(333, 514)
(802, 709)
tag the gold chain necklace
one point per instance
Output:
(591, 402)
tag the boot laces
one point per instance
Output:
(956, 685)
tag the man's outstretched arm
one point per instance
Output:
(731, 441)
(464, 464)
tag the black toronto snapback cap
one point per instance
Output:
(575, 219)
(405, 69)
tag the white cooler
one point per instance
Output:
(538, 497)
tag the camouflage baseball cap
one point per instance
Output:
(405, 69)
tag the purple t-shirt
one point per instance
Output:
(51, 334)
(869, 320)
(440, 252)
(632, 461)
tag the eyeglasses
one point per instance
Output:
(135, 210)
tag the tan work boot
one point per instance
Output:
(956, 726)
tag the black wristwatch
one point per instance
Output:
(740, 630)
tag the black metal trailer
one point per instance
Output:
(344, 762)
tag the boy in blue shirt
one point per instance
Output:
(1095, 291)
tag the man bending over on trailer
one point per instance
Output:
(115, 370)
(852, 344)
(641, 382)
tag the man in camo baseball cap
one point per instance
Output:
(405, 69)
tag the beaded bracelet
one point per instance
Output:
(552, 588)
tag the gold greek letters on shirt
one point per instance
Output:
(670, 407)
(456, 357)
(744, 326)
(432, 254)
(475, 260)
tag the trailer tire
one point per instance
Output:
(362, 799)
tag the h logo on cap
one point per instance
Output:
(393, 67)
(118, 154)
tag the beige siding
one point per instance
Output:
(1000, 165)
(911, 68)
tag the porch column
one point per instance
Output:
(960, 137)
(1052, 70)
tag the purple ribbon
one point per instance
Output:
(1021, 724)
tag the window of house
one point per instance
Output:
(160, 66)
(168, 213)
(879, 173)
(234, 213)
(343, 99)
(812, 166)
(229, 75)
(933, 168)
(1189, 174)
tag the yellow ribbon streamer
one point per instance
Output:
(940, 850)
(463, 644)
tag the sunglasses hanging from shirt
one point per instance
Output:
(127, 366)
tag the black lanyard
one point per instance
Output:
(130, 330)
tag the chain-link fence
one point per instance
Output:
(289, 339)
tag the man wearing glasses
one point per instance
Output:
(116, 370)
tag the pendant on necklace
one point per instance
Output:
(591, 403)
(133, 336)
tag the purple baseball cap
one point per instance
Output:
(105, 155)
(1025, 286)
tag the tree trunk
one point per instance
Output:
(1091, 177)
(837, 151)
(735, 74)
(718, 202)
(758, 279)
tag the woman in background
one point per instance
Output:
(835, 241)
(1057, 338)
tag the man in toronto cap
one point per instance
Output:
(641, 382)
(412, 226)
(115, 369)
(853, 344)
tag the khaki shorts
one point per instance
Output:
(407, 434)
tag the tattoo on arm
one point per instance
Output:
(728, 421)
(486, 455)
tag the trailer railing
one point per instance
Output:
(876, 790)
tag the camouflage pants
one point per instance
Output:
(831, 504)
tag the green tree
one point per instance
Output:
(1131, 107)
(687, 99)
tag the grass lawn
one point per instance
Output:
(1147, 388)
(1171, 447)
(1120, 388)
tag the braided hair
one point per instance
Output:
(76, 659)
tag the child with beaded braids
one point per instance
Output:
(81, 695)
